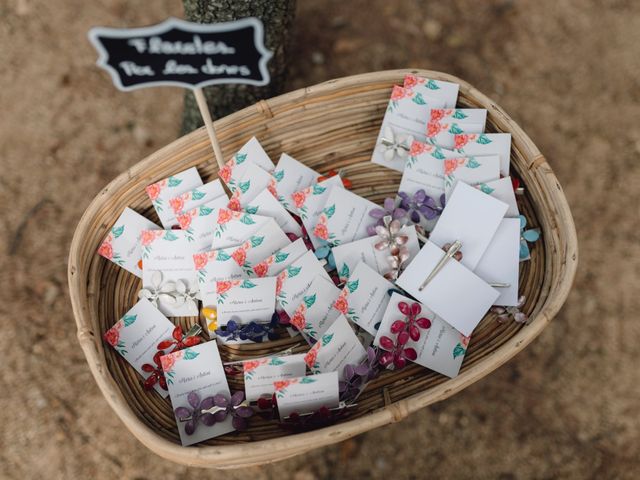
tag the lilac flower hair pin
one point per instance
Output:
(421, 205)
(389, 209)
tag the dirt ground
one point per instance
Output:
(566, 70)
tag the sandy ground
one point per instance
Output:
(566, 70)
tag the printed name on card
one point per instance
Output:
(304, 395)
(246, 300)
(261, 373)
(122, 243)
(161, 192)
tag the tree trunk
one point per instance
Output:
(277, 17)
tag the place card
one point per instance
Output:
(345, 218)
(444, 124)
(337, 348)
(486, 144)
(254, 181)
(272, 265)
(440, 347)
(170, 253)
(250, 153)
(161, 192)
(196, 197)
(404, 120)
(267, 205)
(455, 293)
(291, 176)
(501, 261)
(310, 203)
(470, 170)
(199, 223)
(304, 395)
(294, 281)
(246, 300)
(348, 255)
(137, 334)
(447, 92)
(472, 218)
(364, 297)
(232, 227)
(197, 369)
(315, 314)
(122, 243)
(261, 373)
(502, 190)
(425, 170)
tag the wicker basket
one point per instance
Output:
(329, 126)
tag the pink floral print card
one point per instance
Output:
(267, 205)
(304, 395)
(254, 181)
(447, 92)
(194, 375)
(445, 123)
(315, 313)
(163, 191)
(136, 337)
(486, 144)
(470, 170)
(272, 265)
(200, 223)
(250, 153)
(291, 176)
(246, 300)
(233, 227)
(438, 347)
(122, 244)
(198, 196)
(261, 373)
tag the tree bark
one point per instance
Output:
(277, 17)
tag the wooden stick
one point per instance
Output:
(208, 123)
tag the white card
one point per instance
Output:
(122, 243)
(348, 255)
(197, 369)
(472, 218)
(486, 144)
(233, 228)
(291, 176)
(254, 181)
(445, 91)
(315, 313)
(440, 347)
(502, 190)
(310, 202)
(501, 262)
(425, 169)
(294, 280)
(137, 334)
(337, 348)
(200, 223)
(161, 192)
(345, 218)
(251, 152)
(404, 120)
(470, 170)
(259, 374)
(455, 293)
(267, 205)
(170, 253)
(272, 265)
(196, 197)
(364, 297)
(245, 301)
(444, 124)
(307, 394)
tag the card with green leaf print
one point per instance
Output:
(486, 144)
(254, 181)
(136, 336)
(161, 192)
(200, 223)
(267, 205)
(292, 176)
(200, 195)
(246, 300)
(294, 281)
(261, 373)
(445, 123)
(272, 265)
(308, 394)
(502, 190)
(233, 227)
(250, 153)
(315, 313)
(470, 170)
(447, 92)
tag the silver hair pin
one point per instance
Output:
(453, 249)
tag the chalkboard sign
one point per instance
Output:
(180, 53)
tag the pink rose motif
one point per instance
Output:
(168, 361)
(225, 172)
(272, 188)
(451, 164)
(434, 128)
(398, 93)
(462, 140)
(106, 250)
(280, 281)
(251, 365)
(410, 81)
(200, 260)
(222, 287)
(147, 237)
(154, 190)
(341, 304)
(320, 230)
(417, 148)
(261, 269)
(464, 340)
(224, 216)
(312, 355)
(299, 198)
(112, 336)
(240, 256)
(281, 384)
(184, 220)
(177, 204)
(234, 203)
(298, 319)
(437, 114)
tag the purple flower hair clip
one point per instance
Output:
(212, 410)
(389, 210)
(420, 204)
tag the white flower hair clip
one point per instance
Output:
(175, 293)
(395, 145)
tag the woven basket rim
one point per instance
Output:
(255, 453)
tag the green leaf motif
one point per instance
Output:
(455, 129)
(458, 350)
(473, 163)
(247, 284)
(483, 139)
(275, 361)
(318, 190)
(417, 98)
(307, 380)
(459, 114)
(174, 182)
(197, 195)
(432, 85)
(281, 257)
(247, 220)
(310, 300)
(256, 241)
(240, 158)
(251, 209)
(129, 319)
(293, 271)
(486, 188)
(190, 354)
(353, 286)
(344, 271)
(170, 236)
(329, 211)
(438, 154)
(222, 256)
(278, 175)
(117, 231)
(244, 186)
(204, 211)
(326, 339)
